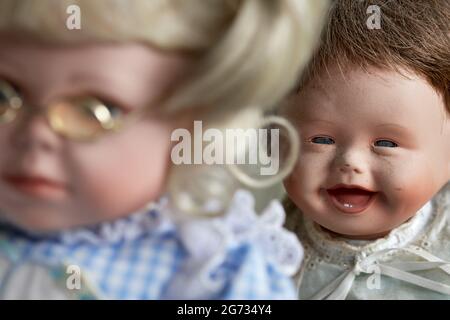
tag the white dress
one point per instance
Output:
(411, 262)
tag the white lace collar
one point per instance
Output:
(340, 249)
(152, 218)
(242, 224)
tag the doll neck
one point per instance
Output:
(369, 237)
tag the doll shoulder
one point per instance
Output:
(444, 198)
(441, 203)
(437, 236)
(241, 255)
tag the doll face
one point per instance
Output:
(375, 149)
(48, 182)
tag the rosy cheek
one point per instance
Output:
(305, 178)
(314, 166)
(409, 186)
(117, 177)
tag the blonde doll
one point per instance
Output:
(88, 195)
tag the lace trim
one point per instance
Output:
(343, 250)
(241, 225)
(125, 229)
(442, 204)
(152, 218)
(209, 242)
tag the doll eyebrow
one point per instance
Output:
(11, 64)
(312, 121)
(397, 129)
(104, 95)
(91, 78)
(393, 126)
(5, 76)
(7, 73)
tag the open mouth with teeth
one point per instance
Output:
(351, 199)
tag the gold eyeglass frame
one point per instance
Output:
(94, 107)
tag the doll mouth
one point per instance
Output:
(350, 199)
(37, 187)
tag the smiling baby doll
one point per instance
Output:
(369, 196)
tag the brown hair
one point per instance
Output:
(413, 35)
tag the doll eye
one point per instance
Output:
(83, 118)
(385, 144)
(80, 118)
(10, 102)
(322, 140)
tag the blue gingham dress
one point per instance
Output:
(146, 255)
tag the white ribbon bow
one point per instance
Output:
(340, 287)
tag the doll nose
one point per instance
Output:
(34, 132)
(350, 161)
(347, 168)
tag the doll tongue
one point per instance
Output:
(354, 197)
